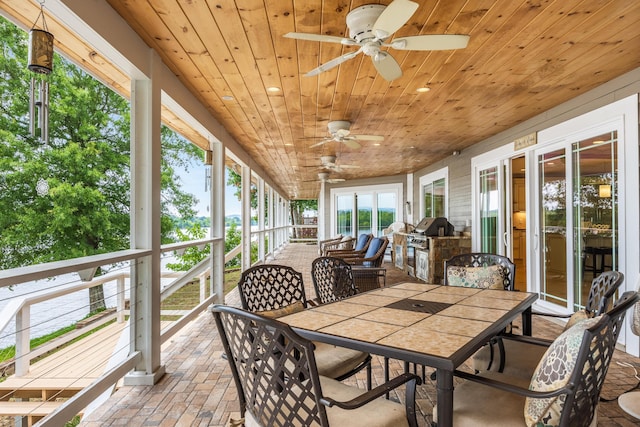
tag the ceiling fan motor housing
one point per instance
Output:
(338, 125)
(328, 160)
(361, 19)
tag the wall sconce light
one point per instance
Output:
(604, 190)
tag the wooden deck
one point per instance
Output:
(59, 375)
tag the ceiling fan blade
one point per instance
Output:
(324, 141)
(321, 38)
(333, 63)
(393, 18)
(368, 137)
(431, 42)
(387, 66)
(348, 167)
(350, 143)
(334, 180)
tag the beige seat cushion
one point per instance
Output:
(480, 405)
(521, 359)
(333, 361)
(283, 311)
(378, 413)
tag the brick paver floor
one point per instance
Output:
(198, 388)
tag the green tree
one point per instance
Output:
(297, 208)
(232, 239)
(192, 255)
(235, 179)
(85, 166)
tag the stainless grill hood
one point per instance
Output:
(434, 227)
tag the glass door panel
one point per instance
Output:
(364, 209)
(553, 216)
(386, 211)
(594, 211)
(344, 215)
(489, 210)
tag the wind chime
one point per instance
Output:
(40, 62)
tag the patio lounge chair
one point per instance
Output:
(346, 243)
(361, 247)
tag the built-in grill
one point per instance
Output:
(429, 227)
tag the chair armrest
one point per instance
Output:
(561, 316)
(513, 388)
(373, 394)
(526, 339)
(343, 252)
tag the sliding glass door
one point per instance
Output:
(578, 215)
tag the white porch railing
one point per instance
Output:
(20, 309)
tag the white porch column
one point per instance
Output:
(272, 220)
(321, 213)
(145, 225)
(217, 221)
(246, 217)
(261, 218)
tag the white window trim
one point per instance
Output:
(430, 178)
(369, 189)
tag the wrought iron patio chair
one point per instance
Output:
(278, 384)
(276, 290)
(521, 354)
(367, 268)
(480, 270)
(332, 279)
(565, 388)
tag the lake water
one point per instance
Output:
(51, 315)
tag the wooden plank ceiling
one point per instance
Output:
(524, 57)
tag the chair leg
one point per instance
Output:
(386, 375)
(369, 376)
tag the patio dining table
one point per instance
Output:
(432, 325)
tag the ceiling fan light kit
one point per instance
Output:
(369, 27)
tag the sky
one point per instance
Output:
(193, 182)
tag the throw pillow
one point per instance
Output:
(553, 372)
(485, 277)
(283, 311)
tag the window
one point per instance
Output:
(434, 193)
(368, 209)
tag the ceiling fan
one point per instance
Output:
(339, 131)
(369, 28)
(324, 177)
(329, 162)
